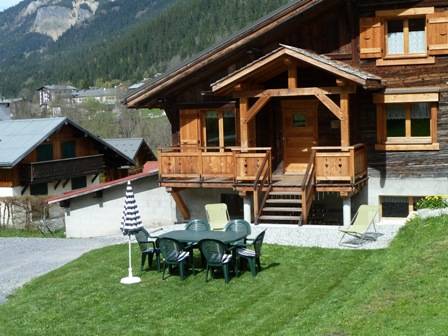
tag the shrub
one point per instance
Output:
(432, 202)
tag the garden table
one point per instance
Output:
(187, 236)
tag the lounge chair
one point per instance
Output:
(364, 218)
(217, 215)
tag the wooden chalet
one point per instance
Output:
(313, 110)
(53, 155)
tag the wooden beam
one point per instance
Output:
(292, 76)
(259, 104)
(405, 12)
(309, 91)
(181, 205)
(244, 130)
(345, 121)
(256, 203)
(331, 105)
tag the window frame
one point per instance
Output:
(406, 42)
(408, 142)
(221, 131)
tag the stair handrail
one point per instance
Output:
(309, 169)
(263, 203)
(267, 173)
(307, 185)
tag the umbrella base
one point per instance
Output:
(130, 280)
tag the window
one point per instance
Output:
(68, 149)
(298, 120)
(398, 206)
(44, 152)
(79, 182)
(406, 37)
(39, 189)
(404, 125)
(219, 128)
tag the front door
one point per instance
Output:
(299, 134)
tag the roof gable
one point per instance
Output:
(322, 62)
(20, 137)
(128, 146)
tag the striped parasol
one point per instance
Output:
(130, 221)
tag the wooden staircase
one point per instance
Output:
(282, 207)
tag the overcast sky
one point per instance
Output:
(8, 3)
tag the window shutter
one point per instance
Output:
(438, 33)
(190, 129)
(371, 37)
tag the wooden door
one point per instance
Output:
(190, 130)
(299, 134)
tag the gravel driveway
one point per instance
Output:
(22, 259)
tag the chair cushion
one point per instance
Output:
(246, 252)
(183, 255)
(226, 258)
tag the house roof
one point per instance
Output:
(128, 146)
(57, 87)
(95, 92)
(150, 169)
(20, 137)
(323, 62)
(150, 89)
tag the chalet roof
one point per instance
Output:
(150, 169)
(323, 62)
(95, 92)
(128, 146)
(20, 137)
(150, 88)
(58, 87)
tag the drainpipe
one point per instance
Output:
(347, 211)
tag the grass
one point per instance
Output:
(29, 233)
(301, 291)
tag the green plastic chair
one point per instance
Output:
(173, 255)
(252, 255)
(364, 218)
(238, 225)
(215, 254)
(217, 215)
(197, 225)
(148, 248)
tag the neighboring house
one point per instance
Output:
(101, 95)
(5, 110)
(50, 93)
(319, 107)
(136, 149)
(52, 155)
(97, 210)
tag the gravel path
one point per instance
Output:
(22, 259)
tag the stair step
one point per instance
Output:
(285, 193)
(282, 209)
(284, 201)
(280, 218)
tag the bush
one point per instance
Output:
(432, 202)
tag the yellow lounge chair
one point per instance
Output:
(217, 215)
(364, 218)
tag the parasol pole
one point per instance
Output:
(130, 279)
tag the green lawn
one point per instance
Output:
(302, 291)
(29, 233)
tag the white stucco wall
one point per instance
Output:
(89, 216)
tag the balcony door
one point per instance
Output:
(299, 134)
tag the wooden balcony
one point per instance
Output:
(46, 171)
(340, 168)
(225, 167)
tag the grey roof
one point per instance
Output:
(171, 72)
(341, 66)
(20, 137)
(58, 87)
(127, 146)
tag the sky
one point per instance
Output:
(8, 3)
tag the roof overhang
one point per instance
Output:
(150, 91)
(278, 56)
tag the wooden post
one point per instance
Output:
(345, 121)
(256, 203)
(244, 129)
(181, 205)
(292, 76)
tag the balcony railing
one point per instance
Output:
(340, 164)
(232, 164)
(46, 171)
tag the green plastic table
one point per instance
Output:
(187, 236)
